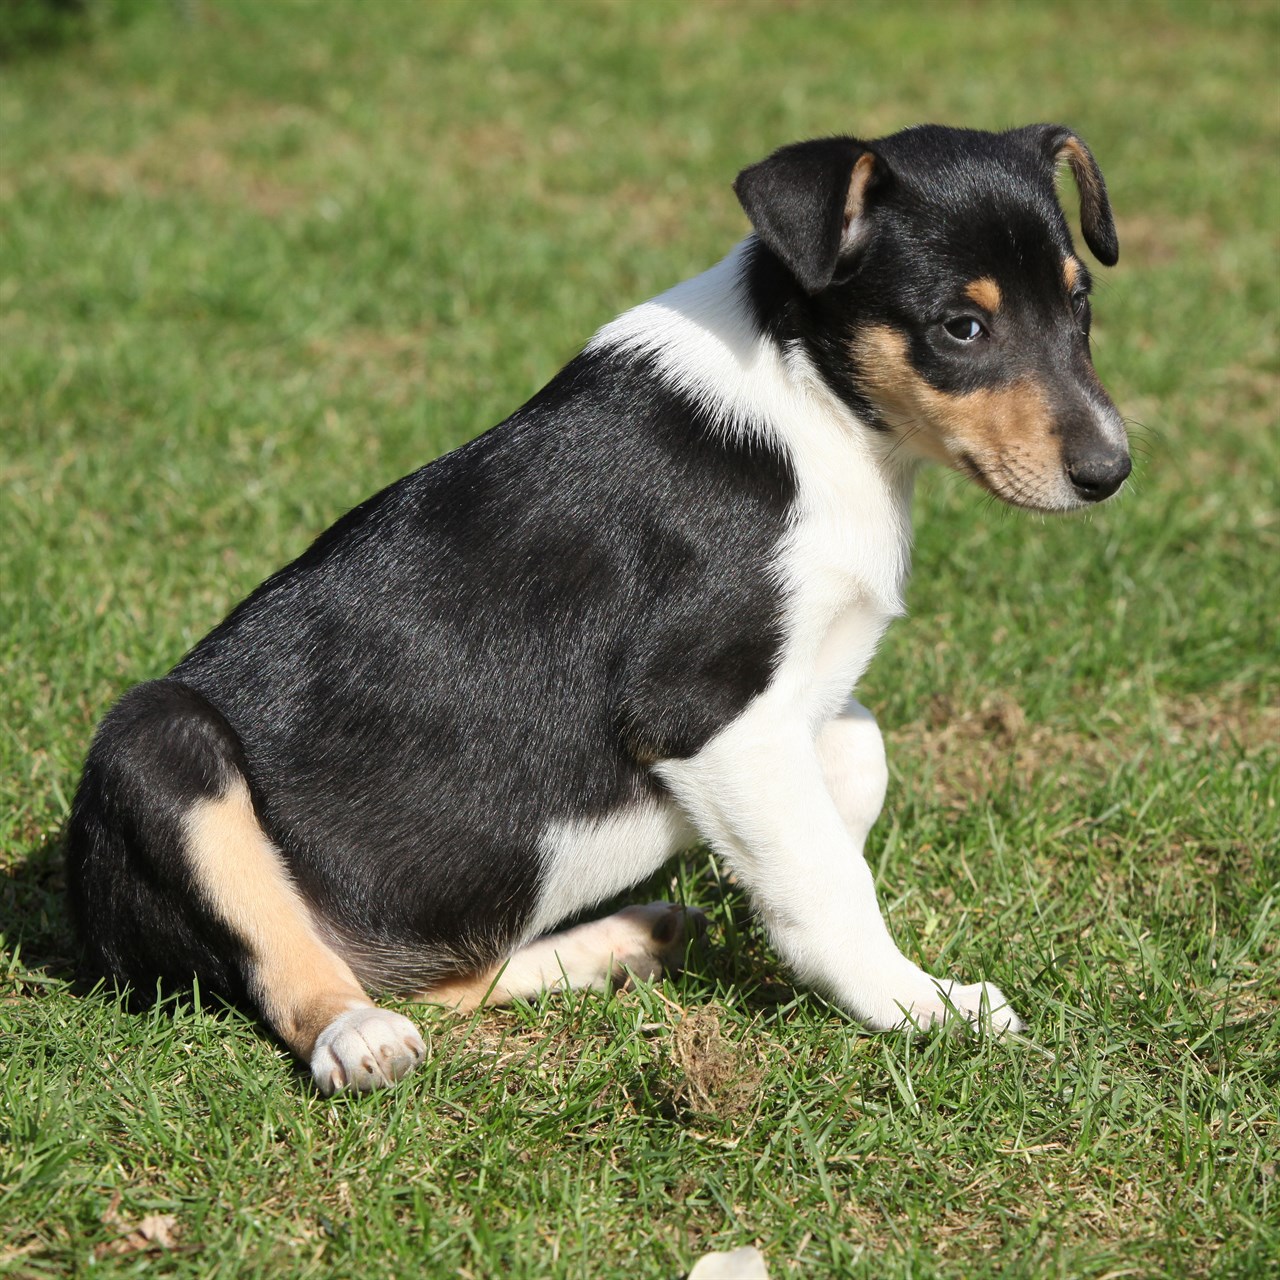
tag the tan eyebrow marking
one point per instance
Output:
(986, 293)
(1070, 273)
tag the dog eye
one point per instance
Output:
(964, 328)
(1080, 305)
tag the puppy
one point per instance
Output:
(514, 683)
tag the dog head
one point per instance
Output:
(932, 278)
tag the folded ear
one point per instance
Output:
(807, 203)
(1060, 146)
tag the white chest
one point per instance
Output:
(844, 567)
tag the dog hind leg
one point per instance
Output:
(306, 991)
(173, 877)
(641, 941)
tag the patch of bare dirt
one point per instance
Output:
(1206, 722)
(970, 751)
(716, 1075)
(154, 1233)
(397, 359)
(1154, 241)
(198, 155)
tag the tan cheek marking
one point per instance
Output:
(986, 293)
(902, 396)
(1070, 273)
(301, 984)
(986, 424)
(1012, 422)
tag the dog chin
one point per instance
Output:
(1024, 493)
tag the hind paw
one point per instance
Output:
(364, 1049)
(650, 940)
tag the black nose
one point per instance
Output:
(1099, 475)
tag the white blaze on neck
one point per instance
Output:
(844, 562)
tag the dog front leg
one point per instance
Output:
(790, 817)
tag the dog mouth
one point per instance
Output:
(1029, 493)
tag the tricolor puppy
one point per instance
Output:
(628, 618)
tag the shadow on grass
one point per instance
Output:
(39, 954)
(37, 946)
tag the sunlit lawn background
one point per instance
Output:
(259, 259)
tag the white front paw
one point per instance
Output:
(984, 1006)
(980, 1003)
(365, 1048)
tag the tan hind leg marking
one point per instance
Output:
(306, 991)
(643, 941)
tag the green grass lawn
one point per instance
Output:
(259, 259)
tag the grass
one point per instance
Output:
(258, 260)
